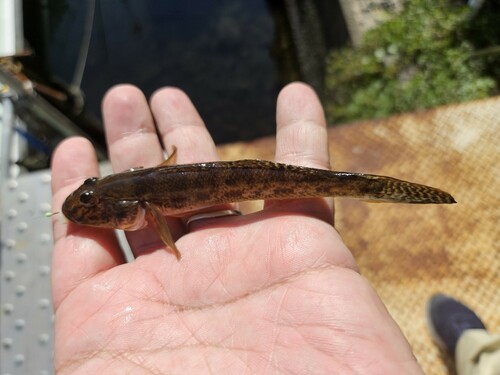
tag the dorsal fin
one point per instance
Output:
(172, 158)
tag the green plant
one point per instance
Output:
(418, 59)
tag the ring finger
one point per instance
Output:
(132, 142)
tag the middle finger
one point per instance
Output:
(181, 126)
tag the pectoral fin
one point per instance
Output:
(163, 230)
(172, 158)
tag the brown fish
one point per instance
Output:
(127, 200)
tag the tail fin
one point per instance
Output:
(388, 189)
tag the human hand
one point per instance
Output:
(275, 291)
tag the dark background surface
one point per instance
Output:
(231, 56)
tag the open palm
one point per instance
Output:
(271, 292)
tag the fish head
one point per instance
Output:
(87, 205)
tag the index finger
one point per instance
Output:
(302, 139)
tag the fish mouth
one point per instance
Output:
(115, 215)
(75, 214)
(71, 214)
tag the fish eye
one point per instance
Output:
(88, 199)
(90, 181)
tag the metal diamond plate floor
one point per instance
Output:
(26, 246)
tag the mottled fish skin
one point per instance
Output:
(120, 200)
(131, 199)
